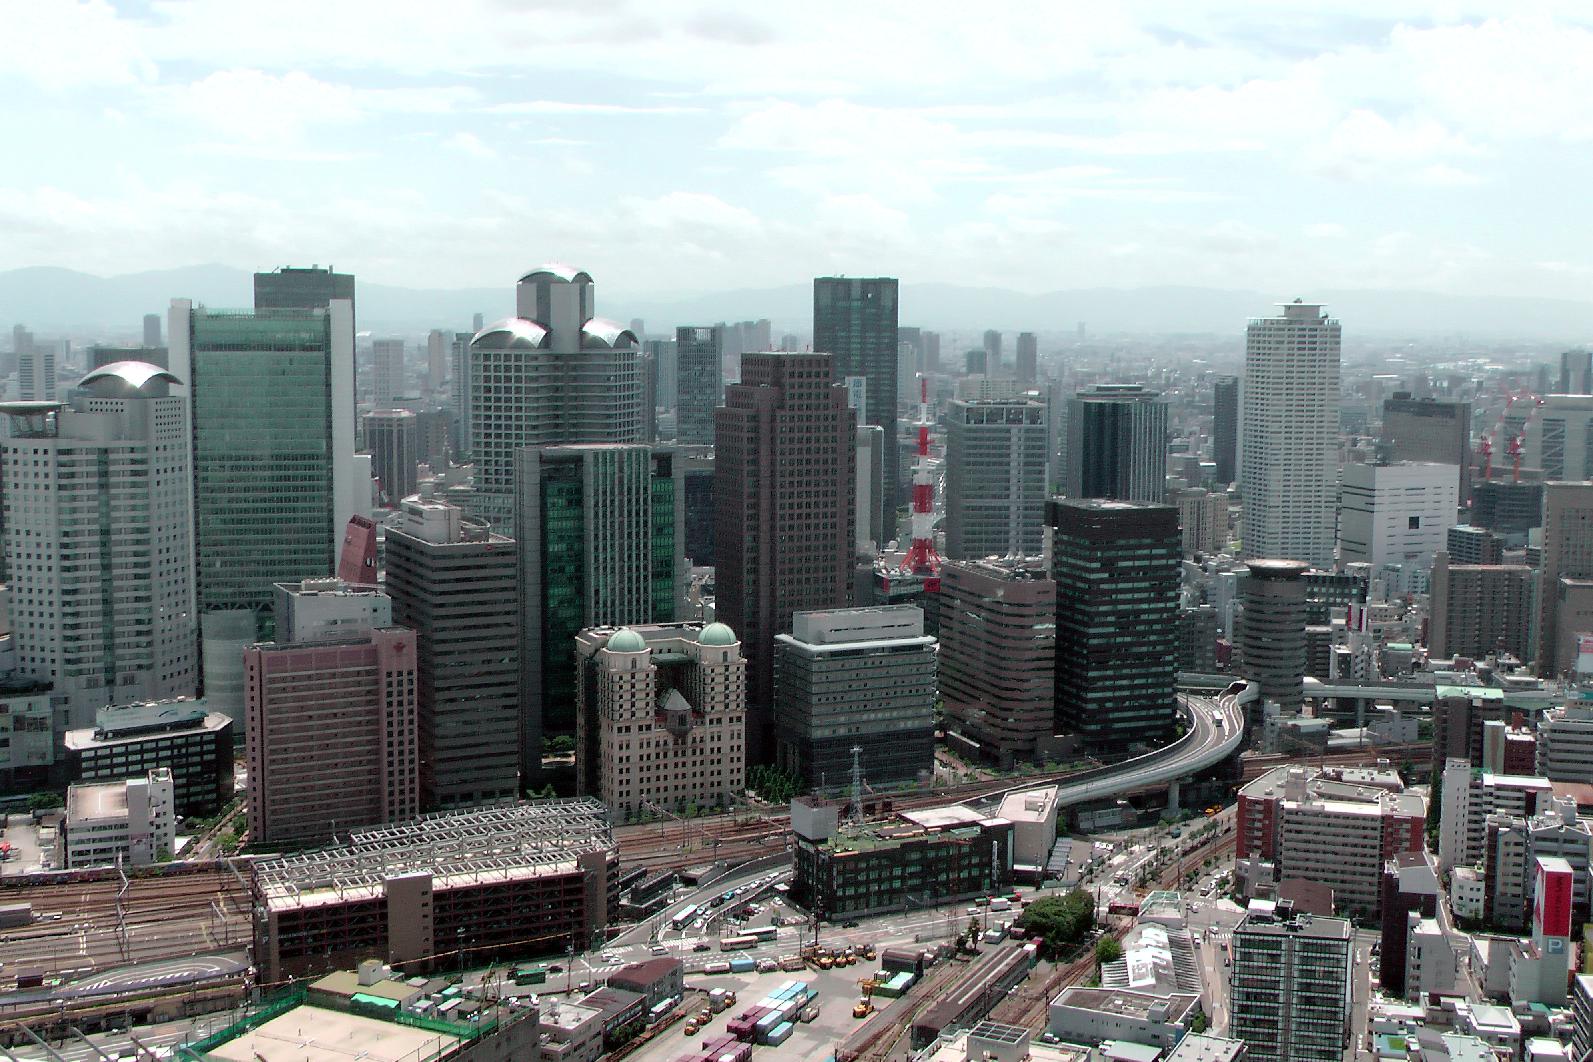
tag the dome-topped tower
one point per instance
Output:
(626, 640)
(717, 634)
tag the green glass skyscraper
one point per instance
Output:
(854, 318)
(601, 543)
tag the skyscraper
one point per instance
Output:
(1271, 630)
(1576, 373)
(152, 330)
(1117, 444)
(699, 383)
(1477, 609)
(452, 581)
(1290, 984)
(1028, 360)
(387, 371)
(297, 288)
(1225, 427)
(600, 544)
(993, 351)
(1288, 434)
(1559, 440)
(854, 318)
(1425, 429)
(273, 428)
(1396, 517)
(552, 375)
(99, 540)
(459, 394)
(436, 361)
(785, 512)
(393, 437)
(995, 479)
(1116, 568)
(1567, 560)
(36, 373)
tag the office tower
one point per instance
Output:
(975, 362)
(36, 374)
(1425, 429)
(1576, 373)
(552, 375)
(855, 678)
(931, 358)
(99, 541)
(697, 485)
(1028, 360)
(1511, 510)
(784, 501)
(1225, 427)
(1116, 568)
(647, 364)
(1565, 740)
(662, 717)
(854, 319)
(873, 532)
(290, 288)
(452, 581)
(1197, 639)
(667, 354)
(392, 436)
(1117, 444)
(1397, 517)
(356, 560)
(100, 356)
(699, 383)
(436, 361)
(1473, 545)
(1478, 610)
(387, 371)
(1271, 630)
(599, 545)
(992, 351)
(995, 479)
(459, 396)
(1566, 566)
(180, 736)
(998, 658)
(152, 330)
(1290, 984)
(1559, 441)
(1203, 519)
(1288, 434)
(330, 720)
(272, 400)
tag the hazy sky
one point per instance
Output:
(674, 147)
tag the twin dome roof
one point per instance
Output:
(626, 640)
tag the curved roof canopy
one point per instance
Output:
(514, 333)
(600, 332)
(559, 271)
(134, 374)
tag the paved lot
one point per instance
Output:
(23, 837)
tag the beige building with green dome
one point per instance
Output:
(661, 717)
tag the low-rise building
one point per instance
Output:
(1033, 815)
(1467, 892)
(1495, 1025)
(1090, 1015)
(662, 716)
(655, 980)
(130, 822)
(181, 736)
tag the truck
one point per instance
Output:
(718, 999)
(1001, 903)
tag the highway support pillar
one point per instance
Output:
(1172, 797)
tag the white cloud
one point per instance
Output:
(472, 145)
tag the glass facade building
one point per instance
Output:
(854, 318)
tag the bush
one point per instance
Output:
(46, 801)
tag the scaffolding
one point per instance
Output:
(474, 844)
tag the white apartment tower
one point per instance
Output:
(387, 372)
(1288, 434)
(99, 540)
(1395, 517)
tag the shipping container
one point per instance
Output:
(743, 965)
(791, 963)
(780, 1034)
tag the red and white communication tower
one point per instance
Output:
(921, 557)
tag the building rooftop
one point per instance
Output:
(102, 800)
(479, 845)
(1198, 1047)
(1031, 805)
(1127, 1003)
(136, 722)
(316, 1034)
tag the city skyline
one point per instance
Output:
(1338, 152)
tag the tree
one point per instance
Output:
(562, 745)
(46, 801)
(1061, 921)
(1198, 1023)
(1107, 949)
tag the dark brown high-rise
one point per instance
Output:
(784, 512)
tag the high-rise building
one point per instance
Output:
(1426, 429)
(993, 351)
(860, 678)
(697, 485)
(393, 437)
(459, 396)
(291, 288)
(1565, 741)
(1225, 427)
(998, 658)
(854, 319)
(699, 383)
(152, 330)
(785, 531)
(1480, 609)
(436, 361)
(995, 478)
(453, 582)
(272, 400)
(1288, 434)
(1559, 440)
(330, 721)
(1203, 519)
(387, 372)
(662, 717)
(1397, 517)
(1576, 373)
(1271, 630)
(1466, 544)
(1290, 984)
(931, 341)
(1117, 444)
(1567, 559)
(1116, 568)
(553, 375)
(98, 540)
(871, 528)
(1510, 510)
(1027, 365)
(600, 545)
(36, 374)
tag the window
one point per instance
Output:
(1413, 523)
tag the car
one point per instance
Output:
(850, 923)
(609, 956)
(555, 969)
(659, 949)
(702, 945)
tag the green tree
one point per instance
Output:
(1198, 1023)
(46, 801)
(1107, 949)
(562, 745)
(1061, 921)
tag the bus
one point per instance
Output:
(737, 943)
(763, 933)
(683, 918)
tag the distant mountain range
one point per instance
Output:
(52, 300)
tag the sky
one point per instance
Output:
(682, 147)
